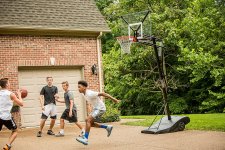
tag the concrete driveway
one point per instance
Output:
(122, 138)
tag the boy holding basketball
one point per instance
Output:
(98, 109)
(48, 105)
(6, 102)
(70, 112)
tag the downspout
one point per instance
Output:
(99, 61)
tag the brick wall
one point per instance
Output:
(36, 51)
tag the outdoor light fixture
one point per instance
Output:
(94, 69)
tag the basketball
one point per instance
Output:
(23, 93)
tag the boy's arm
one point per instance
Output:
(58, 100)
(42, 98)
(42, 102)
(19, 100)
(71, 107)
(109, 96)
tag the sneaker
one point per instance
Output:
(50, 132)
(109, 129)
(82, 133)
(59, 134)
(39, 134)
(6, 147)
(82, 140)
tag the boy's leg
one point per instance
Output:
(44, 117)
(107, 127)
(74, 119)
(42, 124)
(11, 125)
(80, 127)
(89, 122)
(97, 115)
(12, 137)
(53, 117)
(52, 123)
(61, 132)
(62, 123)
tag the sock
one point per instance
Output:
(62, 131)
(86, 135)
(103, 126)
(8, 145)
(83, 130)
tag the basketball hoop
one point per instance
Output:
(125, 43)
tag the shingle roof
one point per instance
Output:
(76, 15)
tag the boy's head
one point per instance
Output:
(65, 85)
(49, 80)
(4, 83)
(82, 86)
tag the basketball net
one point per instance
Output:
(125, 43)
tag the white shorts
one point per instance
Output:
(50, 109)
(96, 113)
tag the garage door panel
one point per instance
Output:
(30, 119)
(30, 103)
(34, 80)
(29, 111)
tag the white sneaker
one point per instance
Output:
(59, 134)
(82, 140)
(109, 129)
(82, 133)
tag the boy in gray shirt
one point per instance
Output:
(70, 112)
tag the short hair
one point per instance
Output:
(48, 78)
(65, 82)
(82, 82)
(3, 82)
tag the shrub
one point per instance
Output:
(178, 106)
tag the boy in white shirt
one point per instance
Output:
(98, 109)
(6, 102)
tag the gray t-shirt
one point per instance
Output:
(69, 96)
(49, 93)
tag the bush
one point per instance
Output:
(178, 106)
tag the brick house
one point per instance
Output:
(44, 38)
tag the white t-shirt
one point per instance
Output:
(93, 99)
(5, 104)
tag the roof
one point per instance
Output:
(63, 15)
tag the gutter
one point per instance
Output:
(99, 61)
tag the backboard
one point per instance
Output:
(136, 25)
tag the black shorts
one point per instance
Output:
(65, 115)
(10, 124)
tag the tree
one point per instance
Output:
(193, 33)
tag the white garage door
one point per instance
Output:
(34, 80)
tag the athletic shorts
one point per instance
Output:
(10, 124)
(96, 114)
(50, 110)
(65, 115)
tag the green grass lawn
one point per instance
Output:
(213, 122)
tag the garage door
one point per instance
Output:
(34, 80)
